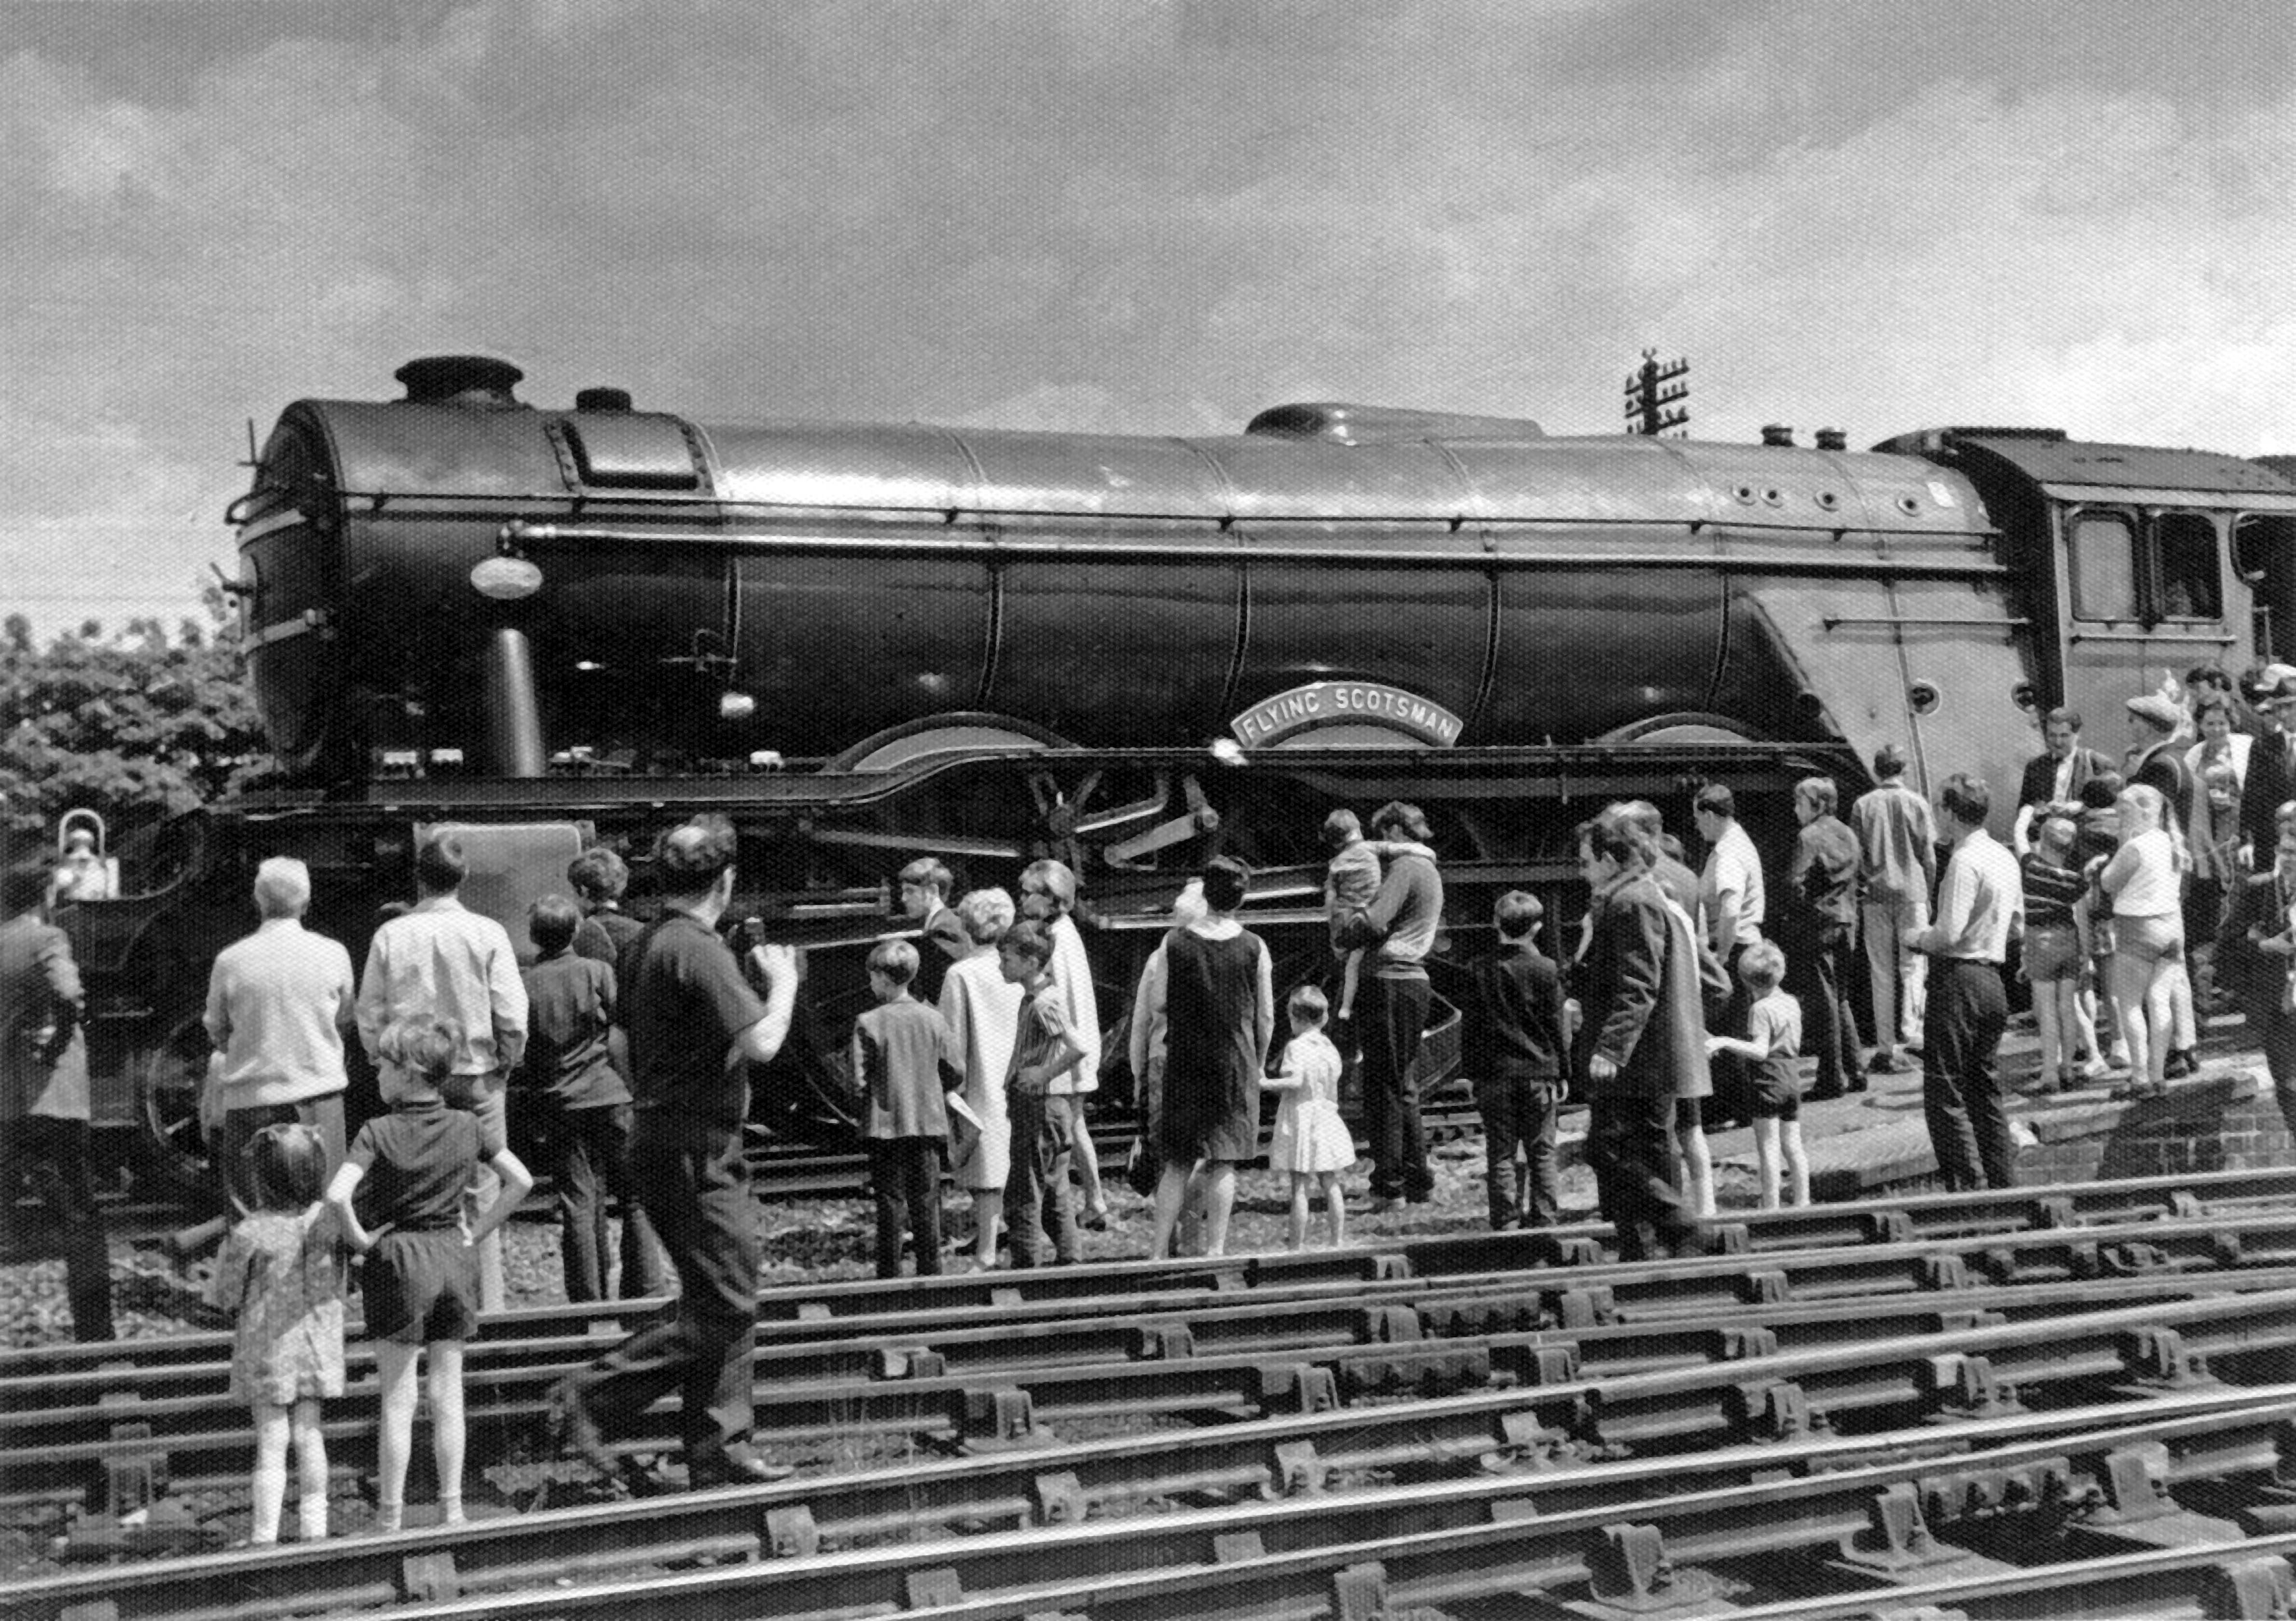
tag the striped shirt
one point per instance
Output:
(1044, 1025)
(2051, 892)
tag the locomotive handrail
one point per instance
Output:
(1834, 622)
(518, 534)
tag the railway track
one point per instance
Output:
(1261, 1397)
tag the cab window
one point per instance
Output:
(2105, 567)
(2185, 553)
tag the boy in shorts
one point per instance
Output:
(1772, 1047)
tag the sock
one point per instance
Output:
(311, 1508)
(270, 1495)
(450, 1509)
(390, 1515)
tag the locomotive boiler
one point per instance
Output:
(557, 626)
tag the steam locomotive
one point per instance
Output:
(551, 628)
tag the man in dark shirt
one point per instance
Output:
(695, 1024)
(1514, 1040)
(926, 883)
(43, 1095)
(2271, 779)
(1817, 927)
(2057, 774)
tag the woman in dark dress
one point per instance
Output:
(1216, 1001)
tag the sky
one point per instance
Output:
(1116, 217)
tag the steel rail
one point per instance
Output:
(45, 1452)
(1904, 1218)
(1956, 1373)
(2202, 1434)
(1475, 1535)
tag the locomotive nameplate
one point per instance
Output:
(1345, 703)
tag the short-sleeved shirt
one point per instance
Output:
(1044, 1025)
(570, 1012)
(601, 936)
(1733, 869)
(1776, 1080)
(684, 1001)
(417, 1160)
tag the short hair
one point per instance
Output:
(2209, 676)
(1821, 792)
(1670, 844)
(24, 887)
(425, 1048)
(896, 960)
(689, 856)
(928, 872)
(1716, 799)
(551, 922)
(1615, 835)
(1225, 881)
(1763, 967)
(2148, 799)
(598, 874)
(1966, 798)
(2284, 812)
(1516, 914)
(1397, 816)
(287, 1164)
(1029, 941)
(1888, 761)
(1052, 878)
(986, 914)
(439, 865)
(2214, 704)
(1308, 1006)
(282, 887)
(1341, 829)
(2063, 715)
(2058, 828)
(1643, 815)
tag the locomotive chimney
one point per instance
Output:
(479, 382)
(1833, 438)
(603, 399)
(1777, 433)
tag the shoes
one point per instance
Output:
(1690, 1244)
(737, 1468)
(1386, 1204)
(574, 1432)
(1822, 1094)
(1093, 1221)
(2181, 1063)
(1887, 1063)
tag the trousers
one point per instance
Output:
(1630, 1147)
(1391, 1015)
(1900, 975)
(47, 1157)
(588, 1153)
(1822, 980)
(1037, 1195)
(694, 1183)
(1961, 1089)
(1519, 1111)
(905, 1175)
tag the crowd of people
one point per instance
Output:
(1687, 998)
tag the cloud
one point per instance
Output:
(1158, 219)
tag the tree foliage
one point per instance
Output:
(137, 726)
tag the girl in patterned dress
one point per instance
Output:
(282, 1270)
(1311, 1142)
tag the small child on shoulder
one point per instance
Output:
(1513, 1037)
(1312, 1144)
(1773, 1043)
(420, 1281)
(1350, 884)
(905, 1066)
(1036, 1194)
(281, 1271)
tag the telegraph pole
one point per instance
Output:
(1653, 389)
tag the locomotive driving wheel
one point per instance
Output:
(171, 1146)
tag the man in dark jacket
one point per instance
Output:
(2057, 774)
(1644, 1028)
(1818, 927)
(2271, 779)
(2253, 961)
(44, 1096)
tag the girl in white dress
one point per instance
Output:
(1311, 1143)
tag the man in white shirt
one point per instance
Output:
(442, 961)
(278, 1002)
(1731, 893)
(1980, 905)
